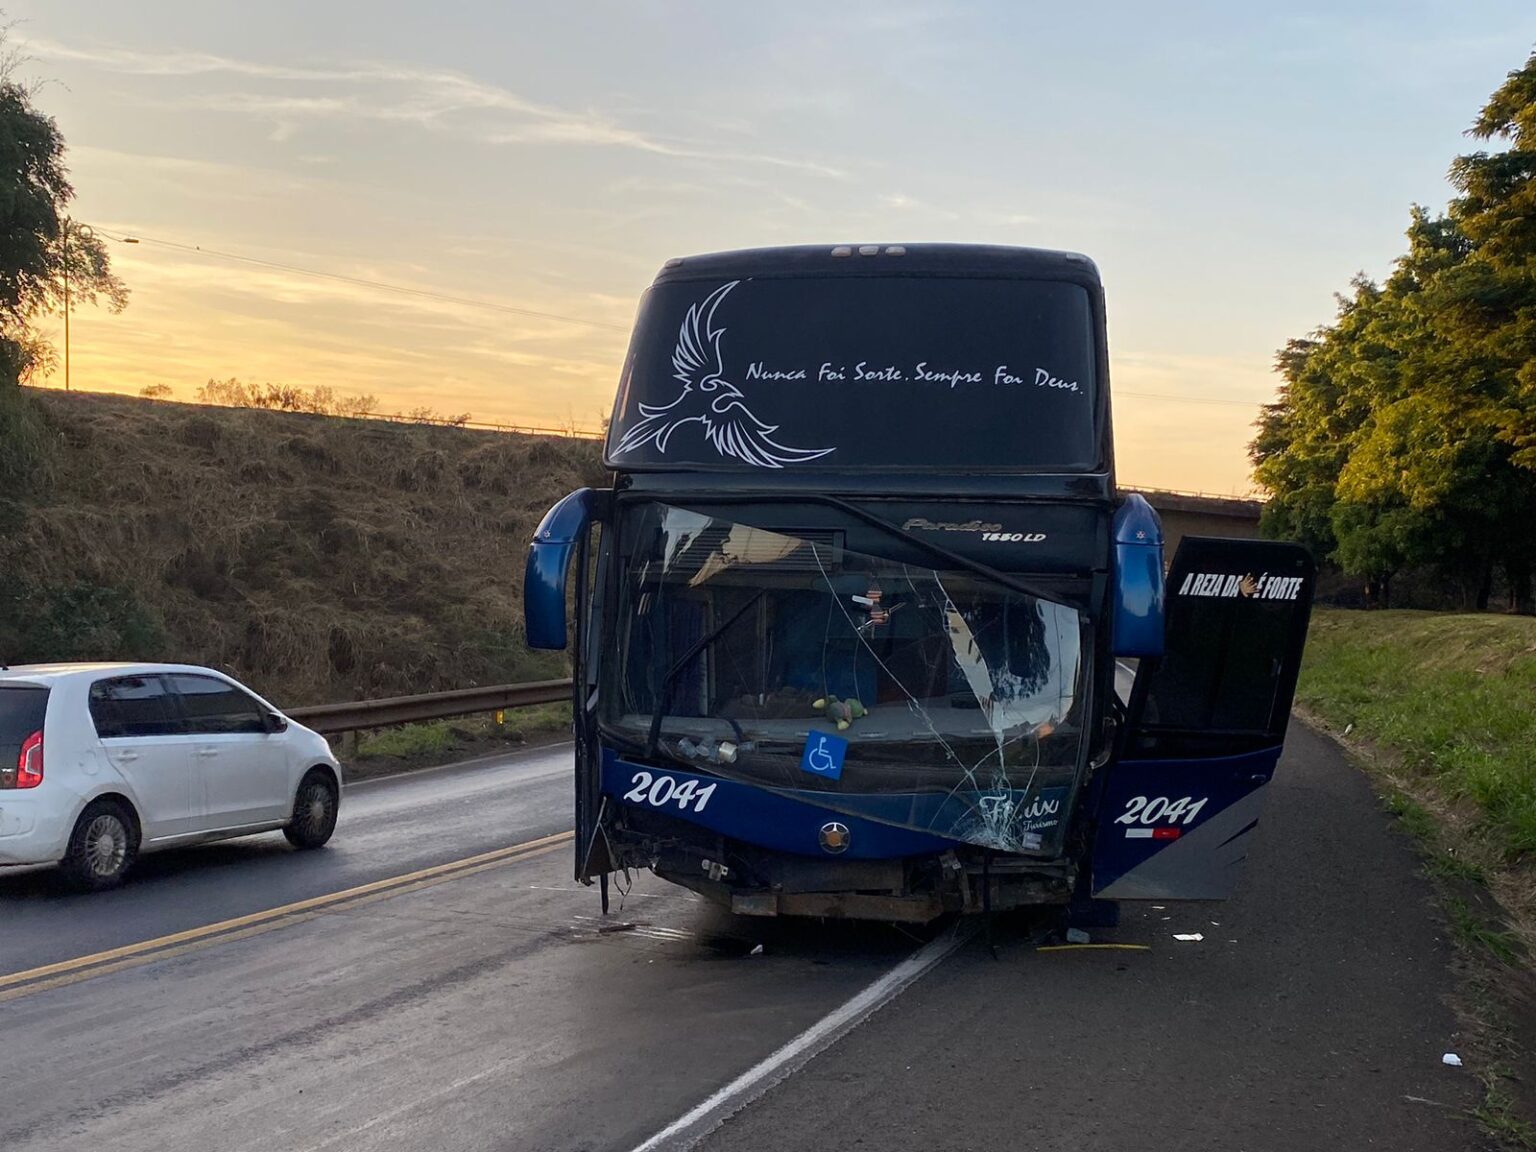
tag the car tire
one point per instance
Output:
(102, 847)
(315, 807)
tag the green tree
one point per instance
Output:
(1404, 433)
(39, 245)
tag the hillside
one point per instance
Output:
(318, 558)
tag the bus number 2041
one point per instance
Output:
(659, 791)
(1160, 810)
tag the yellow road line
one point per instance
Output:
(241, 926)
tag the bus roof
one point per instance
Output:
(983, 260)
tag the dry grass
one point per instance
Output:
(318, 558)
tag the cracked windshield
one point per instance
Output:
(788, 660)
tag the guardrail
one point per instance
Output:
(328, 719)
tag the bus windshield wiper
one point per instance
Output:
(683, 662)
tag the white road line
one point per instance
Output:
(688, 1129)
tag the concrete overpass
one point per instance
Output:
(1190, 514)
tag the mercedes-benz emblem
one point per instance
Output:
(835, 837)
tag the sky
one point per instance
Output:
(1228, 166)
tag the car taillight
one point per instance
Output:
(29, 763)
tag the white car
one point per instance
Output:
(100, 762)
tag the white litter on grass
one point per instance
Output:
(1348, 728)
(1188, 937)
(1452, 1059)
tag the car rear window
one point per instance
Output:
(22, 709)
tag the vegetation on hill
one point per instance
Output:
(318, 558)
(1405, 432)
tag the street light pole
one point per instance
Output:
(66, 305)
(69, 259)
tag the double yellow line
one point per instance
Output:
(18, 984)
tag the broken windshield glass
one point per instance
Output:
(937, 700)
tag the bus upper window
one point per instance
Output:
(861, 372)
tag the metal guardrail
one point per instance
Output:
(350, 717)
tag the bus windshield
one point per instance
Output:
(852, 372)
(935, 699)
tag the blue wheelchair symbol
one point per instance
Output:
(823, 755)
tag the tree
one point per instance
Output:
(1404, 433)
(39, 245)
(322, 400)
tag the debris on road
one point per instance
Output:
(757, 950)
(1452, 1059)
(1077, 936)
(1188, 937)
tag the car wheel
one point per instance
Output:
(314, 811)
(102, 847)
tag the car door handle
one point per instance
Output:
(207, 751)
(125, 755)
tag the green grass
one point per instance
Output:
(440, 740)
(408, 741)
(1452, 696)
(1498, 1117)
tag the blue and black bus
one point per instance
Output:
(863, 627)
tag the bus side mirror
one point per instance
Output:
(549, 565)
(1138, 580)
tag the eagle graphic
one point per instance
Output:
(710, 399)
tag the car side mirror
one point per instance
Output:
(275, 723)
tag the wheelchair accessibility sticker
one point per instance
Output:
(823, 755)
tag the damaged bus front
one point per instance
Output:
(850, 621)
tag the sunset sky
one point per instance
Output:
(1228, 166)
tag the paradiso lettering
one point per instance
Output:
(1226, 585)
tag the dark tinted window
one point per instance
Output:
(212, 706)
(132, 706)
(21, 714)
(861, 372)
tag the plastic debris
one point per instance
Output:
(1077, 936)
(1348, 728)
(1452, 1059)
(1188, 937)
(757, 950)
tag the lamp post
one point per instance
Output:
(69, 256)
(89, 233)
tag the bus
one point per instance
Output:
(863, 627)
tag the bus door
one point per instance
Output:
(564, 541)
(1205, 722)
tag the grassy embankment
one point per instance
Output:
(314, 557)
(1441, 710)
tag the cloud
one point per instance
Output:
(431, 98)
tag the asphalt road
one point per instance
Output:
(488, 1006)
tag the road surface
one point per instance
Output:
(435, 980)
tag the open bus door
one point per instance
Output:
(562, 542)
(1204, 722)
